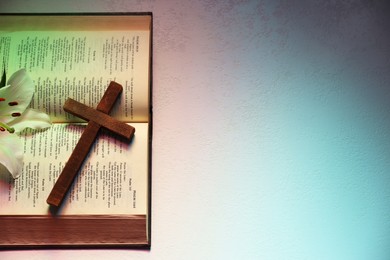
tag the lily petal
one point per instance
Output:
(19, 89)
(11, 153)
(31, 118)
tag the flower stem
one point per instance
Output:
(7, 127)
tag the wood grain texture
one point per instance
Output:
(70, 230)
(82, 148)
(82, 111)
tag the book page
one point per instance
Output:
(113, 179)
(80, 65)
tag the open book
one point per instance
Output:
(77, 56)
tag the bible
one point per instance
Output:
(77, 56)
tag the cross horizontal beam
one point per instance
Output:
(85, 112)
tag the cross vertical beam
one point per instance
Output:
(87, 139)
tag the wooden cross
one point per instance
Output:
(97, 118)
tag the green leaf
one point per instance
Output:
(3, 79)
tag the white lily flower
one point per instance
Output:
(11, 153)
(15, 116)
